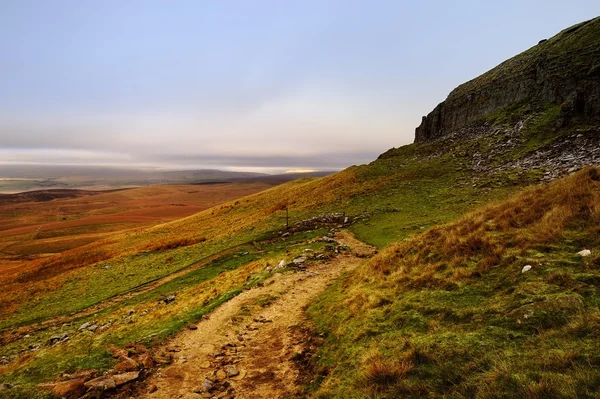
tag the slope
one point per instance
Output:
(65, 313)
(500, 303)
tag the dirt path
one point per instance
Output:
(255, 335)
(12, 334)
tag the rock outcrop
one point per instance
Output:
(563, 70)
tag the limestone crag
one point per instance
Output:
(564, 70)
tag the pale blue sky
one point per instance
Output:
(255, 85)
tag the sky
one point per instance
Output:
(257, 85)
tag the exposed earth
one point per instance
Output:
(245, 350)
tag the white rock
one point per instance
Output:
(585, 252)
(526, 268)
(281, 265)
(85, 325)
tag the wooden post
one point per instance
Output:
(287, 219)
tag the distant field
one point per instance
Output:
(43, 224)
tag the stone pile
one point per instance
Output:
(223, 363)
(134, 362)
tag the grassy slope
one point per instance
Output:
(391, 189)
(408, 322)
(448, 312)
(567, 54)
(407, 190)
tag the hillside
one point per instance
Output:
(562, 71)
(500, 303)
(443, 309)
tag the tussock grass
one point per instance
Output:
(451, 307)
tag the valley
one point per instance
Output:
(466, 264)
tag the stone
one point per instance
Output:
(146, 360)
(85, 326)
(58, 338)
(130, 312)
(231, 371)
(299, 261)
(126, 364)
(152, 388)
(122, 379)
(101, 383)
(526, 268)
(169, 299)
(117, 352)
(280, 265)
(69, 389)
(221, 375)
(207, 385)
(555, 81)
(585, 252)
(92, 328)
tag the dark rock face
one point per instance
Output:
(562, 70)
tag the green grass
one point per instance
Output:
(197, 293)
(448, 313)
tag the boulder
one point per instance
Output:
(526, 268)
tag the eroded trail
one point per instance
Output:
(245, 348)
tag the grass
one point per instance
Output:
(430, 314)
(449, 313)
(198, 292)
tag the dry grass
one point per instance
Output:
(444, 305)
(535, 216)
(381, 372)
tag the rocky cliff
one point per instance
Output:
(562, 70)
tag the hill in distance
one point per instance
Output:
(485, 284)
(20, 178)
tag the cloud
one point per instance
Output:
(306, 129)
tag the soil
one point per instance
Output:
(260, 332)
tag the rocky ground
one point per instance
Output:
(247, 351)
(254, 346)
